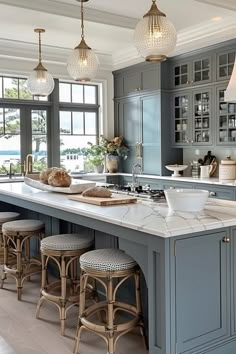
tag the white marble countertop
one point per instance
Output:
(210, 180)
(149, 217)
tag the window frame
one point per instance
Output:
(53, 106)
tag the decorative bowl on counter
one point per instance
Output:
(176, 169)
(186, 199)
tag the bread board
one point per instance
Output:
(77, 186)
(114, 200)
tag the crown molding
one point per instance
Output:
(52, 55)
(73, 11)
(225, 4)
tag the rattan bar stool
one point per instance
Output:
(65, 250)
(5, 216)
(16, 237)
(111, 268)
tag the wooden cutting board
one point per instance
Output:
(114, 200)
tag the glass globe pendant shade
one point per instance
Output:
(155, 37)
(40, 82)
(82, 63)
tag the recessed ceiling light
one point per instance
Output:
(216, 19)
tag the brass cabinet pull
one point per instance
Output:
(140, 150)
(226, 239)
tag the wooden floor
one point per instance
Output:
(22, 333)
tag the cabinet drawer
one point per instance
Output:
(217, 192)
(184, 185)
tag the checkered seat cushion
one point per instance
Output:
(107, 260)
(66, 242)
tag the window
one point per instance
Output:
(39, 139)
(10, 142)
(54, 138)
(78, 124)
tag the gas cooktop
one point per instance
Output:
(156, 195)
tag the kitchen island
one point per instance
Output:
(188, 261)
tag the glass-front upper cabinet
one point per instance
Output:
(193, 117)
(225, 64)
(182, 118)
(192, 72)
(202, 117)
(226, 119)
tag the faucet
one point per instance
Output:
(137, 168)
(11, 173)
(29, 164)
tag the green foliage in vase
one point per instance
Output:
(95, 154)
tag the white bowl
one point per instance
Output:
(176, 169)
(186, 199)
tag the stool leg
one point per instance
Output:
(63, 295)
(19, 268)
(43, 284)
(83, 282)
(110, 319)
(5, 259)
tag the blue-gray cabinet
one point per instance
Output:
(192, 71)
(193, 117)
(226, 118)
(142, 117)
(218, 192)
(225, 63)
(202, 293)
(137, 79)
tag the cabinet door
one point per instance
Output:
(201, 71)
(182, 118)
(132, 82)
(226, 119)
(151, 78)
(233, 257)
(202, 117)
(225, 64)
(128, 117)
(201, 290)
(151, 134)
(181, 75)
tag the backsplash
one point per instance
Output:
(190, 155)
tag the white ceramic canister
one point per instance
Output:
(227, 169)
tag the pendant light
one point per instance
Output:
(82, 63)
(155, 37)
(40, 81)
(230, 93)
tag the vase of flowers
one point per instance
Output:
(115, 149)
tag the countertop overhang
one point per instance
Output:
(145, 216)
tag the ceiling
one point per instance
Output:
(109, 27)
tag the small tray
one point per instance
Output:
(76, 187)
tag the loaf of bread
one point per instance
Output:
(59, 178)
(99, 192)
(44, 175)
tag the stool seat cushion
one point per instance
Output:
(107, 260)
(23, 225)
(66, 242)
(6, 216)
